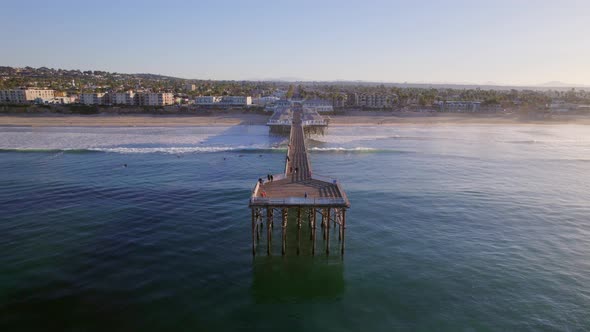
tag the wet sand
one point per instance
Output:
(130, 120)
(349, 119)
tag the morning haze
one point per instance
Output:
(504, 42)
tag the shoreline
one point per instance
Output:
(139, 120)
(232, 119)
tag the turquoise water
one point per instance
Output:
(452, 228)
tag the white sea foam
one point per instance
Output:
(183, 150)
(342, 149)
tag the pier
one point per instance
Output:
(310, 197)
(311, 120)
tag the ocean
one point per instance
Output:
(451, 228)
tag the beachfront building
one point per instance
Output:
(283, 103)
(341, 100)
(155, 98)
(92, 98)
(123, 98)
(373, 100)
(62, 100)
(318, 105)
(266, 100)
(236, 100)
(368, 100)
(459, 106)
(24, 96)
(206, 100)
(224, 100)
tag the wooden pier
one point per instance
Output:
(298, 190)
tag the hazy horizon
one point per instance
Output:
(513, 43)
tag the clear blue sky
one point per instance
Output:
(501, 41)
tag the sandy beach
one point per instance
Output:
(130, 120)
(362, 118)
(232, 119)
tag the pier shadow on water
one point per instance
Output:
(298, 279)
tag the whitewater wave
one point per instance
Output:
(354, 150)
(200, 149)
(183, 150)
(167, 150)
(341, 149)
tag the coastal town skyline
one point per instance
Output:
(518, 43)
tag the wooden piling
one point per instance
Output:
(343, 229)
(268, 229)
(254, 232)
(328, 233)
(258, 217)
(285, 215)
(298, 230)
(311, 225)
(340, 225)
(313, 232)
(323, 223)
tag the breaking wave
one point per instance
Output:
(354, 150)
(200, 149)
(166, 150)
(341, 149)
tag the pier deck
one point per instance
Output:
(298, 188)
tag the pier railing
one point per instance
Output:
(296, 201)
(275, 177)
(324, 178)
(279, 122)
(314, 123)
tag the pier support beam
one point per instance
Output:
(323, 223)
(254, 232)
(313, 219)
(328, 233)
(311, 225)
(340, 224)
(343, 229)
(285, 215)
(268, 230)
(259, 225)
(298, 230)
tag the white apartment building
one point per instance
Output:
(264, 100)
(373, 100)
(22, 96)
(318, 105)
(91, 98)
(155, 99)
(236, 100)
(122, 98)
(190, 87)
(459, 106)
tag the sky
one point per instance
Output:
(512, 42)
